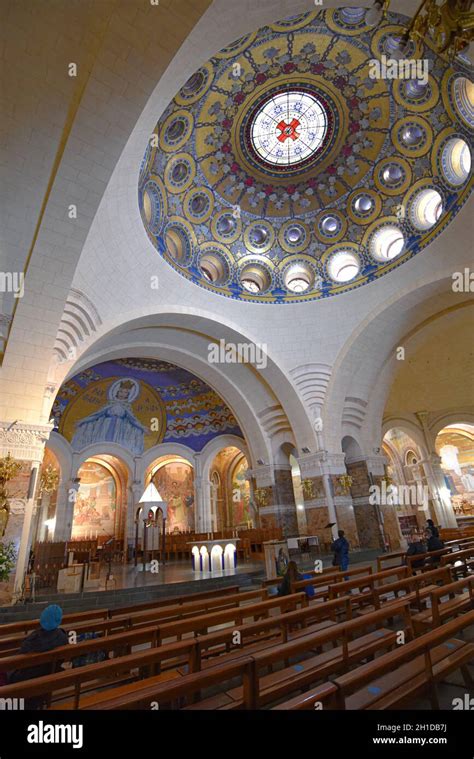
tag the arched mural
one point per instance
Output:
(174, 480)
(240, 494)
(96, 510)
(455, 445)
(138, 403)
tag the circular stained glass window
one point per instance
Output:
(289, 128)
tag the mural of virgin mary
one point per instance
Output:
(115, 422)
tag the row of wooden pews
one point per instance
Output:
(375, 641)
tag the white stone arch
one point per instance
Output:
(453, 417)
(413, 430)
(352, 448)
(211, 449)
(187, 334)
(143, 463)
(397, 318)
(62, 449)
(104, 449)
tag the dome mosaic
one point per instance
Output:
(282, 171)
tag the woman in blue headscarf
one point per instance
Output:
(46, 637)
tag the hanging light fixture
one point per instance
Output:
(374, 15)
(448, 27)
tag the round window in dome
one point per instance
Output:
(387, 243)
(298, 278)
(343, 266)
(426, 209)
(456, 161)
(288, 128)
(463, 91)
(254, 278)
(213, 267)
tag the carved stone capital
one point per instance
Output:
(24, 441)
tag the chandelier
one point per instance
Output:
(446, 25)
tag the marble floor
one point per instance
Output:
(128, 576)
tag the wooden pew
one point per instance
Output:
(366, 586)
(396, 678)
(188, 686)
(461, 561)
(416, 589)
(331, 574)
(260, 690)
(324, 582)
(397, 556)
(460, 598)
(107, 673)
(122, 643)
(201, 624)
(276, 629)
(196, 651)
(356, 644)
(429, 559)
(27, 625)
(324, 695)
(138, 619)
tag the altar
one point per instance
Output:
(214, 555)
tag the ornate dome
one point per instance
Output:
(285, 170)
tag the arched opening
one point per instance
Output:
(455, 445)
(173, 477)
(49, 477)
(298, 494)
(405, 486)
(101, 501)
(230, 491)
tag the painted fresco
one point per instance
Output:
(175, 483)
(240, 495)
(95, 509)
(138, 403)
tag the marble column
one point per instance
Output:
(440, 496)
(275, 500)
(67, 496)
(318, 496)
(25, 442)
(387, 513)
(368, 517)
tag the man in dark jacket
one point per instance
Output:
(341, 551)
(416, 546)
(45, 638)
(434, 530)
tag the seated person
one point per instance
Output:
(415, 546)
(292, 575)
(430, 525)
(45, 638)
(433, 543)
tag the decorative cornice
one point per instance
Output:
(24, 441)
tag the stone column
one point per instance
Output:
(252, 504)
(367, 514)
(318, 498)
(274, 498)
(135, 492)
(440, 495)
(67, 496)
(25, 442)
(386, 512)
(202, 499)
